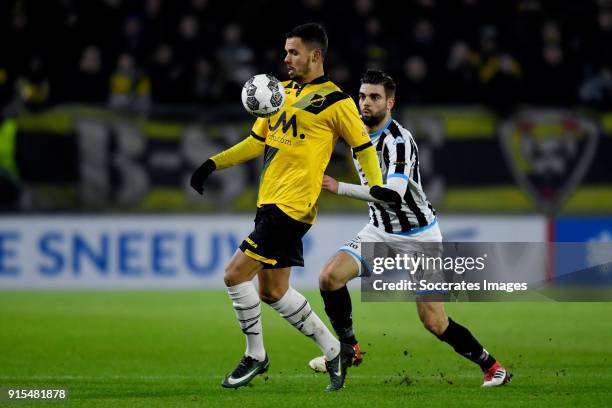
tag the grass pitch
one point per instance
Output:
(166, 349)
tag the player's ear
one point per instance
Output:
(390, 103)
(316, 55)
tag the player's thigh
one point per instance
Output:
(241, 268)
(348, 262)
(273, 283)
(338, 270)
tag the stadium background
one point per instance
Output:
(107, 107)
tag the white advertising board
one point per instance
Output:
(185, 252)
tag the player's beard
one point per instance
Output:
(374, 119)
(300, 74)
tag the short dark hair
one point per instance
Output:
(311, 33)
(378, 77)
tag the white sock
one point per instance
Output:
(248, 312)
(296, 310)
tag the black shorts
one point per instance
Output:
(276, 241)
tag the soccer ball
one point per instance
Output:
(263, 95)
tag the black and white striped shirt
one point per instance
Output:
(399, 158)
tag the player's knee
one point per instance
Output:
(271, 295)
(234, 275)
(328, 280)
(229, 279)
(336, 273)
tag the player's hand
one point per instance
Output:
(330, 184)
(201, 174)
(386, 194)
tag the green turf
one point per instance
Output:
(164, 349)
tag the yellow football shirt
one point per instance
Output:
(299, 140)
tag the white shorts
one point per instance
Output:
(404, 243)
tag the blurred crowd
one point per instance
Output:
(132, 54)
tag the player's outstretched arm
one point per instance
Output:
(392, 192)
(246, 150)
